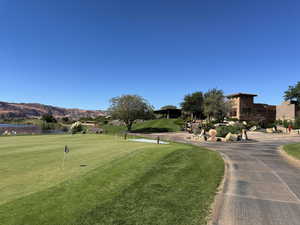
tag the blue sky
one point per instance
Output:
(80, 53)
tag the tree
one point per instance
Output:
(215, 105)
(129, 108)
(193, 104)
(293, 93)
(49, 118)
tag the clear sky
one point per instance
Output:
(80, 53)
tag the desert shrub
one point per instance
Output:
(224, 130)
(76, 127)
(252, 124)
(208, 126)
(232, 119)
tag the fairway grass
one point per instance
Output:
(118, 182)
(293, 150)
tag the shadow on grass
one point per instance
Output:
(148, 130)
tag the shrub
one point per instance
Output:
(224, 130)
(297, 123)
(285, 123)
(252, 124)
(270, 125)
(76, 127)
(232, 119)
(208, 126)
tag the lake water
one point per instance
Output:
(15, 125)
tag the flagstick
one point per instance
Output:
(63, 163)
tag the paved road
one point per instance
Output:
(261, 187)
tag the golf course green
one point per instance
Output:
(104, 180)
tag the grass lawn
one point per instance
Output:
(293, 150)
(150, 126)
(105, 181)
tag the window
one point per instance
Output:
(232, 112)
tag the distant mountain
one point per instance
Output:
(35, 110)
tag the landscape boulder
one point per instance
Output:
(232, 123)
(269, 130)
(213, 135)
(254, 128)
(231, 137)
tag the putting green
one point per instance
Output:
(104, 180)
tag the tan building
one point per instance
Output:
(288, 110)
(244, 108)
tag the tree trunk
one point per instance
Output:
(129, 126)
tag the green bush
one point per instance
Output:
(252, 124)
(296, 124)
(232, 119)
(49, 118)
(209, 126)
(270, 125)
(286, 123)
(224, 130)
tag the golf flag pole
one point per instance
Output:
(66, 150)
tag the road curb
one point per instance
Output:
(217, 203)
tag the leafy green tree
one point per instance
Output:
(129, 108)
(193, 104)
(293, 93)
(65, 119)
(49, 118)
(215, 105)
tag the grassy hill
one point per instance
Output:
(104, 180)
(150, 126)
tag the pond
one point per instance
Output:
(15, 125)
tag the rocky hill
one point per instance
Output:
(35, 110)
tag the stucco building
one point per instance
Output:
(288, 110)
(244, 108)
